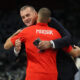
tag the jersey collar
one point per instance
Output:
(42, 24)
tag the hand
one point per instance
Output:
(77, 48)
(76, 51)
(44, 45)
(18, 45)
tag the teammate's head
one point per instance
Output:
(28, 15)
(44, 15)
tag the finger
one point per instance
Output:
(18, 40)
(76, 46)
(41, 45)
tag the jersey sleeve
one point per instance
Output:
(19, 36)
(67, 49)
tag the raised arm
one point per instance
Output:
(66, 36)
(8, 44)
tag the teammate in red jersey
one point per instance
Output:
(40, 65)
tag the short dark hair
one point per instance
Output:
(45, 14)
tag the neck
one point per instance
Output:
(38, 21)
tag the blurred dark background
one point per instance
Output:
(68, 13)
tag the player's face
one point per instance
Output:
(28, 16)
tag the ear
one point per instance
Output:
(49, 19)
(36, 15)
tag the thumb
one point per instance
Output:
(76, 46)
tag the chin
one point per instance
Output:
(27, 24)
(30, 24)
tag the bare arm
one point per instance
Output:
(17, 32)
(8, 44)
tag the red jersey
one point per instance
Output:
(40, 65)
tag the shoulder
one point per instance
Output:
(29, 27)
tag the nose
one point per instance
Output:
(25, 18)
